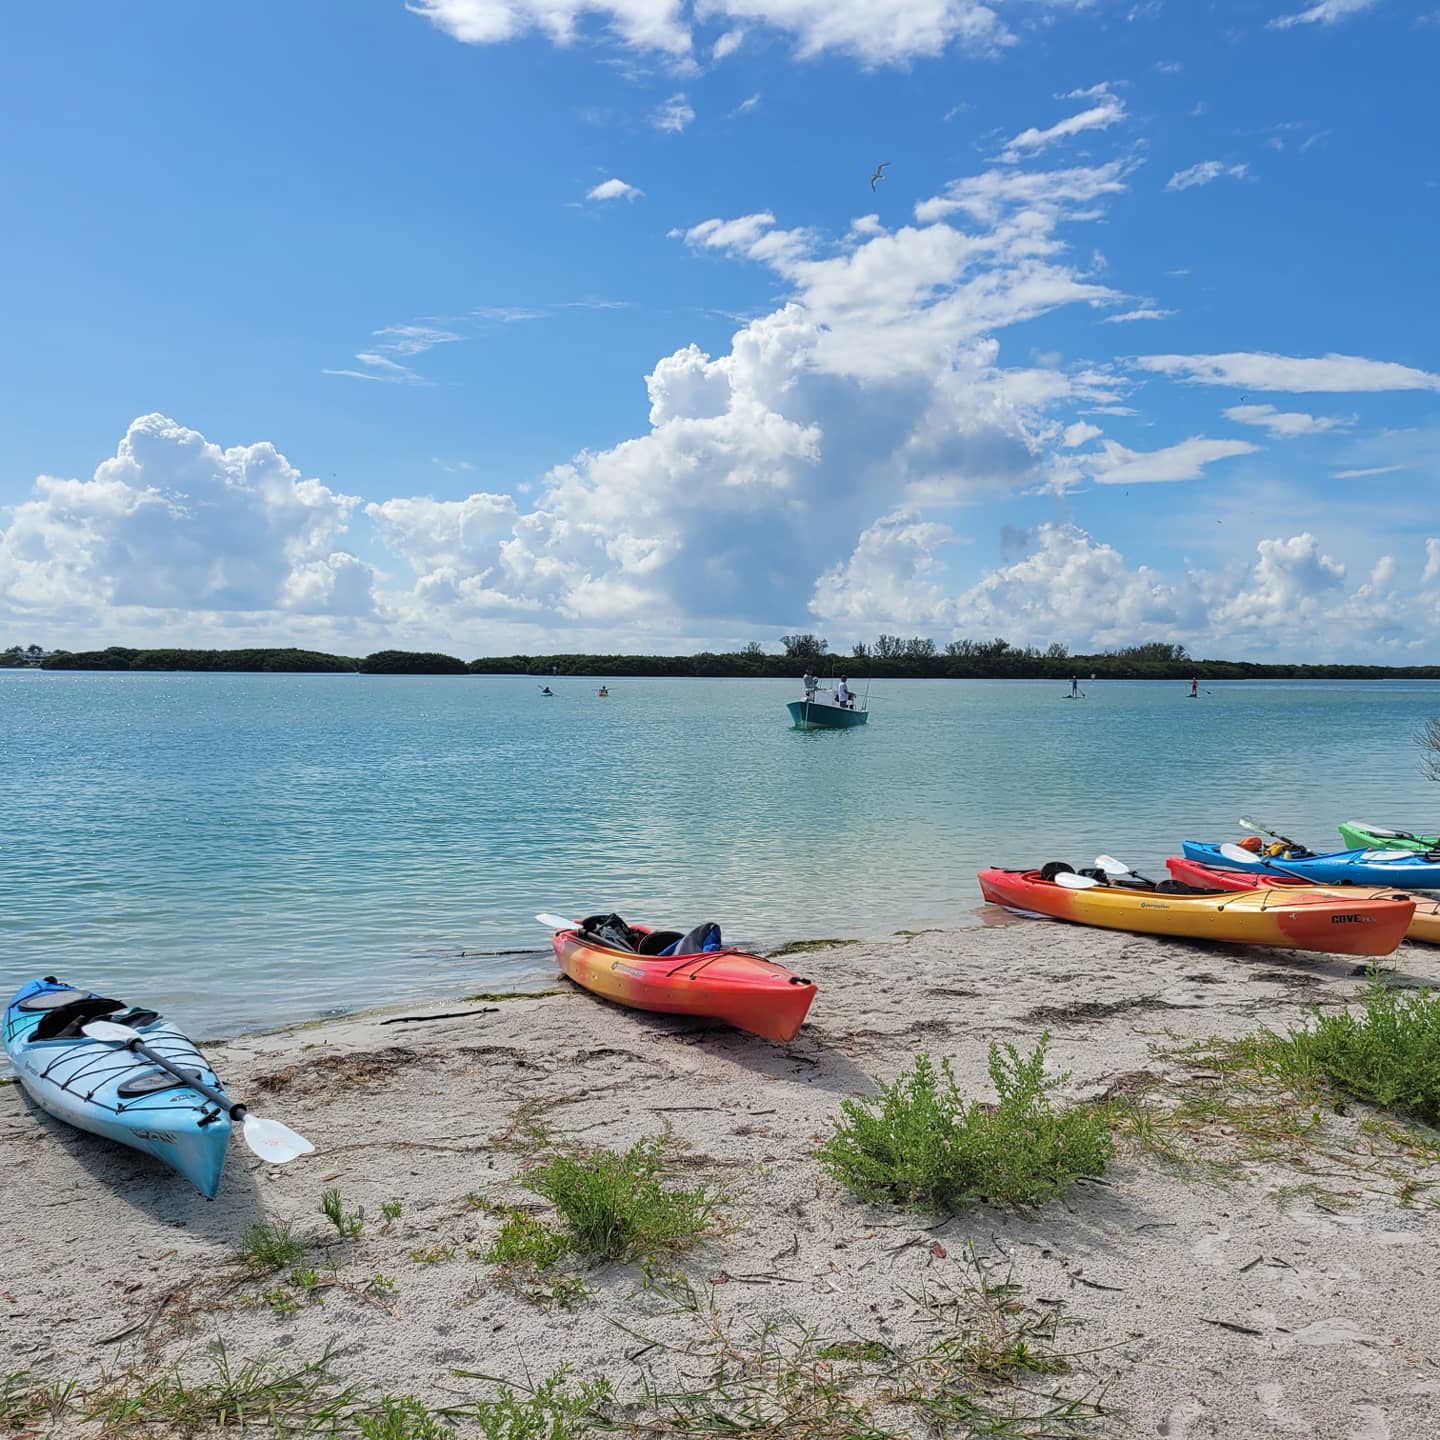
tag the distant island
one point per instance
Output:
(889, 657)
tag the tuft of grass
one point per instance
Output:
(861, 1352)
(614, 1207)
(390, 1212)
(804, 947)
(402, 1417)
(433, 1254)
(268, 1247)
(525, 1241)
(1389, 1055)
(919, 1143)
(551, 1410)
(348, 1224)
(26, 1401)
(285, 1399)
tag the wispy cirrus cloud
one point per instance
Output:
(1147, 312)
(673, 115)
(1285, 424)
(1108, 109)
(1324, 12)
(1206, 172)
(1114, 464)
(1258, 370)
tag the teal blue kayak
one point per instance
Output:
(1408, 870)
(110, 1091)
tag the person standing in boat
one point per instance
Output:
(811, 681)
(843, 695)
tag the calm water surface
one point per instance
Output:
(249, 849)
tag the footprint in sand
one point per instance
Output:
(1368, 1422)
(1176, 1425)
(1271, 1396)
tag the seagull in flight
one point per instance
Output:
(879, 174)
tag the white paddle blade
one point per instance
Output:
(1383, 855)
(108, 1030)
(273, 1142)
(1111, 866)
(556, 922)
(1237, 853)
(1071, 881)
(1382, 830)
(1251, 825)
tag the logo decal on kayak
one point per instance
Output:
(1352, 919)
(164, 1137)
(628, 970)
(1152, 905)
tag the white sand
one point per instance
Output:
(1337, 1301)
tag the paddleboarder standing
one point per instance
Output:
(1074, 687)
(1194, 687)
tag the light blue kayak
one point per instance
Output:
(108, 1090)
(1408, 870)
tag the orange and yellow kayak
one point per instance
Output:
(1297, 919)
(1425, 926)
(730, 985)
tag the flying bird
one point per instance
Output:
(879, 174)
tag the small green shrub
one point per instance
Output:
(403, 1417)
(390, 1212)
(614, 1206)
(524, 1240)
(348, 1224)
(264, 1248)
(918, 1143)
(1389, 1055)
(551, 1411)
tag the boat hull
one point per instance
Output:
(1424, 926)
(79, 1081)
(807, 715)
(1345, 867)
(743, 990)
(1357, 837)
(1303, 919)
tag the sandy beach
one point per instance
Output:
(1251, 1287)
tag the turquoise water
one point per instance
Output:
(247, 849)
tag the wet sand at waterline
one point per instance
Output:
(1234, 1296)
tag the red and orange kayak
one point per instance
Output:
(1424, 926)
(730, 985)
(1299, 919)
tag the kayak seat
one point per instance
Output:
(657, 942)
(65, 1021)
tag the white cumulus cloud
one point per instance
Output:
(614, 189)
(1108, 109)
(674, 115)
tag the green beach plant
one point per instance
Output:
(348, 1224)
(614, 1207)
(919, 1143)
(265, 1247)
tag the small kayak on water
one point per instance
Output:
(1425, 926)
(108, 1090)
(1409, 870)
(1359, 835)
(623, 963)
(1303, 919)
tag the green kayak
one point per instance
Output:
(1361, 836)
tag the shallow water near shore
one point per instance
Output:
(249, 850)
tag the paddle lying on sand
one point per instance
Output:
(1111, 866)
(269, 1139)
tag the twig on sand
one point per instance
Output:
(448, 1015)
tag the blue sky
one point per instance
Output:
(539, 325)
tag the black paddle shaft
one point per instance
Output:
(217, 1097)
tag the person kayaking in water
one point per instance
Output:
(602, 692)
(546, 690)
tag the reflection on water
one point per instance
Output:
(248, 849)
